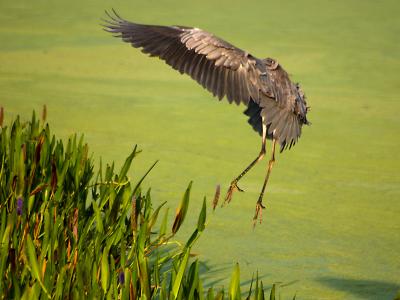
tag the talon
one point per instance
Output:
(260, 204)
(239, 189)
(258, 213)
(233, 187)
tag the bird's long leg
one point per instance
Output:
(259, 205)
(233, 187)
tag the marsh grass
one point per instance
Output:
(70, 231)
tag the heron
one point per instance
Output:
(276, 106)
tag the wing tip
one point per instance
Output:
(113, 15)
(112, 21)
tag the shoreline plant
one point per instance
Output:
(68, 231)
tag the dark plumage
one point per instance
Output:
(276, 106)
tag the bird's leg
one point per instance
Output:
(233, 187)
(259, 205)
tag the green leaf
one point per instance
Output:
(202, 217)
(251, 286)
(261, 295)
(163, 227)
(220, 295)
(127, 164)
(47, 234)
(99, 219)
(182, 210)
(114, 279)
(179, 276)
(143, 177)
(105, 270)
(34, 263)
(32, 258)
(234, 289)
(154, 216)
(60, 284)
(144, 276)
(163, 290)
(193, 280)
(256, 288)
(4, 252)
(272, 295)
(156, 272)
(210, 294)
(193, 238)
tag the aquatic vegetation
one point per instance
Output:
(70, 231)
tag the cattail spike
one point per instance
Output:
(44, 113)
(216, 196)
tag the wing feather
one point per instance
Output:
(229, 92)
(197, 70)
(189, 62)
(221, 83)
(217, 65)
(235, 88)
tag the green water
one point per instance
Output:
(332, 227)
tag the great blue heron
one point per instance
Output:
(276, 106)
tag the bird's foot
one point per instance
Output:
(258, 213)
(233, 187)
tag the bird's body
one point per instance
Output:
(276, 106)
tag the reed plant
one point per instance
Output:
(69, 230)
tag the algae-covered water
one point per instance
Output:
(331, 229)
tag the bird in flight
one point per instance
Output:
(276, 107)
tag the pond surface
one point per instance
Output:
(331, 227)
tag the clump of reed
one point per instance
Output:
(70, 231)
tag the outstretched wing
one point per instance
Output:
(218, 66)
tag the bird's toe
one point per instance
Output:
(232, 188)
(258, 213)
